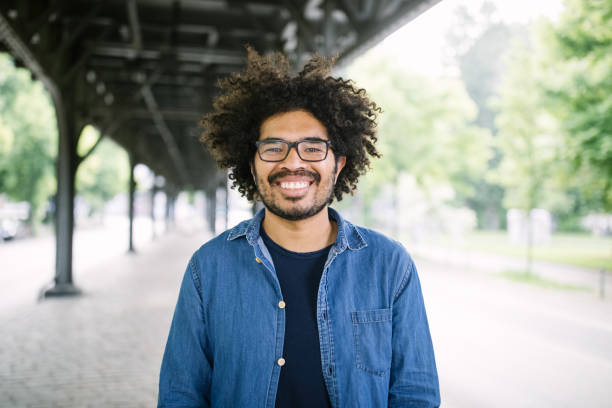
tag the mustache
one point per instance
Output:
(302, 173)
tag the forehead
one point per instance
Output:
(294, 125)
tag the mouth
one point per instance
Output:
(294, 184)
(294, 188)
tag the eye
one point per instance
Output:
(313, 147)
(273, 149)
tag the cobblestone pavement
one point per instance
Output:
(101, 349)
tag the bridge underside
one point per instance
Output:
(144, 71)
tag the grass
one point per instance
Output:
(532, 279)
(574, 249)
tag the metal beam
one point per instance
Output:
(359, 14)
(374, 32)
(140, 113)
(306, 33)
(164, 131)
(76, 32)
(134, 25)
(208, 55)
(80, 62)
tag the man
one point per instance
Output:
(297, 307)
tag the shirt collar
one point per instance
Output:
(348, 234)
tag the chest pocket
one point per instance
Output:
(372, 330)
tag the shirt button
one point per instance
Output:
(258, 260)
(282, 304)
(281, 362)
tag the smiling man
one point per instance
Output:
(297, 307)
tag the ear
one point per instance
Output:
(340, 163)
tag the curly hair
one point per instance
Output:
(265, 88)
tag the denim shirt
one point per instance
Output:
(225, 345)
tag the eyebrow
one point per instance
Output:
(306, 139)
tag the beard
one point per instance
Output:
(323, 195)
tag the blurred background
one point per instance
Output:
(496, 175)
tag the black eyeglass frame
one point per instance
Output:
(290, 145)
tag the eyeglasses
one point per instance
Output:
(275, 150)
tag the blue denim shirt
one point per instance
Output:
(227, 334)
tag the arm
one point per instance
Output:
(414, 378)
(186, 369)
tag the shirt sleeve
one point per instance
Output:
(414, 377)
(185, 375)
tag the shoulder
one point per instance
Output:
(384, 257)
(375, 241)
(218, 247)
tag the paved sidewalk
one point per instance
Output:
(457, 258)
(102, 349)
(498, 343)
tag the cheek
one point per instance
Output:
(260, 171)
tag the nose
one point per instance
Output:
(293, 159)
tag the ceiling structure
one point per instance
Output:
(144, 71)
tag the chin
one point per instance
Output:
(293, 213)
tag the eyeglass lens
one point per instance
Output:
(278, 150)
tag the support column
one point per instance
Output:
(328, 31)
(152, 214)
(66, 163)
(172, 210)
(132, 190)
(170, 201)
(211, 208)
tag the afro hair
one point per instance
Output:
(267, 87)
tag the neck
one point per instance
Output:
(311, 234)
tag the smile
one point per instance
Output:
(294, 185)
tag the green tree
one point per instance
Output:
(28, 119)
(580, 53)
(104, 173)
(478, 42)
(528, 138)
(425, 129)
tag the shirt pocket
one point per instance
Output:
(372, 330)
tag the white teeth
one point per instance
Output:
(294, 185)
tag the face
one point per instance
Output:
(295, 189)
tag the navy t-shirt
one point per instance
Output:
(301, 381)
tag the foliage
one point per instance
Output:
(28, 143)
(528, 136)
(104, 173)
(478, 42)
(580, 53)
(424, 129)
(28, 139)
